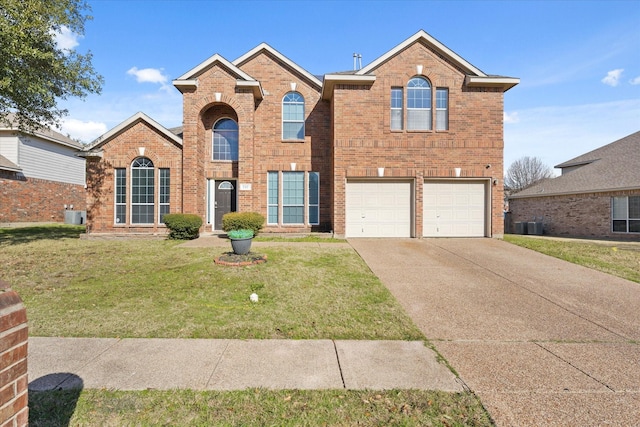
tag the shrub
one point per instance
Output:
(183, 226)
(243, 221)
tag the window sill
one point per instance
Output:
(294, 141)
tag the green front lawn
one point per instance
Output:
(153, 288)
(622, 260)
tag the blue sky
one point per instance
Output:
(578, 61)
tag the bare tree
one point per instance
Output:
(525, 172)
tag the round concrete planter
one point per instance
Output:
(241, 246)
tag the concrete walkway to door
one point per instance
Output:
(541, 341)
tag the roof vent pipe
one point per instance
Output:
(357, 61)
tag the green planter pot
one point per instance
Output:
(241, 246)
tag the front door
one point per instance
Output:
(224, 201)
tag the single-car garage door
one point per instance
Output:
(378, 209)
(454, 209)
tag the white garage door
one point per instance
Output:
(454, 209)
(378, 209)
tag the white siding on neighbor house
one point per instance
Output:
(9, 146)
(47, 160)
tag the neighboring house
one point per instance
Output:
(41, 175)
(410, 145)
(597, 195)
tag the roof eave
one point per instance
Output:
(434, 43)
(505, 83)
(258, 93)
(127, 124)
(570, 193)
(186, 85)
(331, 80)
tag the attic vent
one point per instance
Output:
(357, 61)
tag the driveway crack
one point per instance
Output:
(335, 348)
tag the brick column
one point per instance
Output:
(14, 410)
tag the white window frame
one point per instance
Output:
(146, 168)
(116, 193)
(278, 186)
(293, 99)
(398, 123)
(442, 111)
(422, 112)
(161, 184)
(270, 203)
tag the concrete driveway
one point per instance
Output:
(539, 340)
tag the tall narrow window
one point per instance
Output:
(442, 109)
(418, 104)
(121, 196)
(142, 191)
(225, 140)
(272, 197)
(293, 116)
(396, 108)
(314, 198)
(292, 197)
(164, 199)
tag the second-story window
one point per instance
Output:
(397, 101)
(293, 117)
(418, 104)
(442, 108)
(225, 140)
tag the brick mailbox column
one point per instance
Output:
(14, 410)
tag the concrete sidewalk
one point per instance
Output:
(207, 364)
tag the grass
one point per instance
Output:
(622, 260)
(153, 288)
(256, 407)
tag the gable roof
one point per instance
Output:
(44, 133)
(613, 167)
(365, 76)
(92, 150)
(264, 47)
(189, 80)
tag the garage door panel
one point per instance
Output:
(454, 209)
(378, 209)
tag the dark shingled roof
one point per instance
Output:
(615, 166)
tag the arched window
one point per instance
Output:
(418, 104)
(142, 191)
(293, 116)
(225, 140)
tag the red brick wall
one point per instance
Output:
(14, 410)
(120, 153)
(363, 140)
(36, 200)
(577, 215)
(261, 146)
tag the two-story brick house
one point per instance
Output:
(411, 145)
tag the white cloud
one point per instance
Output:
(150, 75)
(635, 81)
(511, 117)
(613, 77)
(84, 131)
(65, 39)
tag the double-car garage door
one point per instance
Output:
(386, 209)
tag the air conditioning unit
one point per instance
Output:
(534, 228)
(521, 227)
(75, 217)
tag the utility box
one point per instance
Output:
(75, 217)
(534, 228)
(521, 227)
